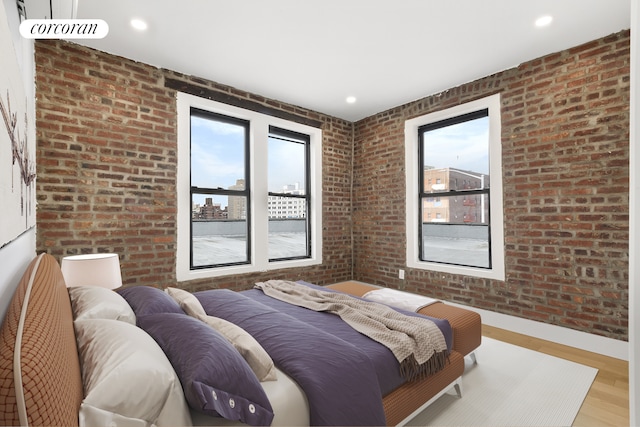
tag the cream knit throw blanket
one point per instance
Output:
(416, 342)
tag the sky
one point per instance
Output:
(218, 158)
(463, 146)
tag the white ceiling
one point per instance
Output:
(315, 53)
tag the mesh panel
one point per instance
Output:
(8, 406)
(404, 400)
(49, 357)
(466, 325)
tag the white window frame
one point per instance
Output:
(497, 272)
(259, 132)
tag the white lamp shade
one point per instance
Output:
(92, 270)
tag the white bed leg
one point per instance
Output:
(458, 387)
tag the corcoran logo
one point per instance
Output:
(64, 28)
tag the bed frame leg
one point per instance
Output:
(458, 387)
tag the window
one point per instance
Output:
(460, 150)
(249, 191)
(220, 191)
(288, 185)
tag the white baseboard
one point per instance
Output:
(558, 334)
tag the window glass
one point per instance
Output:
(217, 239)
(219, 226)
(460, 146)
(217, 152)
(287, 164)
(288, 198)
(447, 234)
(455, 210)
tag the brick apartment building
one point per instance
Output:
(472, 208)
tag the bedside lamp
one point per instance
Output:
(92, 270)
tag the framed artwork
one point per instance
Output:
(17, 142)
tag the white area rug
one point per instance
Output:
(512, 386)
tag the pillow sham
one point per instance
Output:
(187, 301)
(127, 378)
(93, 302)
(257, 357)
(216, 380)
(146, 300)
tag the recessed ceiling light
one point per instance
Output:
(351, 99)
(139, 24)
(544, 21)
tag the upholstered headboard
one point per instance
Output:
(40, 377)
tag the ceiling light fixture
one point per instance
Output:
(351, 100)
(544, 21)
(139, 24)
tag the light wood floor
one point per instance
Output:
(607, 403)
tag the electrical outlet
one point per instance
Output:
(401, 274)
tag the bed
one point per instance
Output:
(55, 368)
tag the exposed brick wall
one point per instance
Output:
(565, 154)
(106, 165)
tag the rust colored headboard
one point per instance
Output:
(40, 377)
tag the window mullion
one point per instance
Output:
(260, 220)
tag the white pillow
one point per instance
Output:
(256, 356)
(93, 302)
(187, 301)
(127, 378)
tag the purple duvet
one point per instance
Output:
(343, 373)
